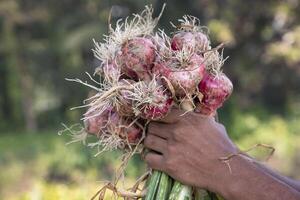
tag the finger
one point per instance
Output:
(154, 160)
(173, 116)
(155, 143)
(159, 129)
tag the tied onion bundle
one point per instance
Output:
(142, 75)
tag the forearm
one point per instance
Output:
(292, 183)
(248, 181)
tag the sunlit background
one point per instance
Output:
(42, 42)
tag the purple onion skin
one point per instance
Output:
(182, 38)
(185, 80)
(136, 58)
(111, 121)
(159, 111)
(192, 40)
(94, 123)
(215, 90)
(123, 127)
(134, 134)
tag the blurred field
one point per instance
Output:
(44, 42)
(41, 165)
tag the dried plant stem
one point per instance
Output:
(119, 192)
(140, 180)
(131, 193)
(170, 87)
(83, 83)
(205, 59)
(220, 46)
(129, 154)
(112, 90)
(226, 159)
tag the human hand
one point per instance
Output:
(188, 148)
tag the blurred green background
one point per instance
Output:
(42, 42)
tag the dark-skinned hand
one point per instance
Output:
(188, 147)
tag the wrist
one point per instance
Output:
(232, 176)
(221, 177)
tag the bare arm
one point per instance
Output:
(292, 183)
(248, 180)
(188, 149)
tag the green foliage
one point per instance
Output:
(275, 132)
(45, 163)
(44, 42)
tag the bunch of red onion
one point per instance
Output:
(144, 74)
